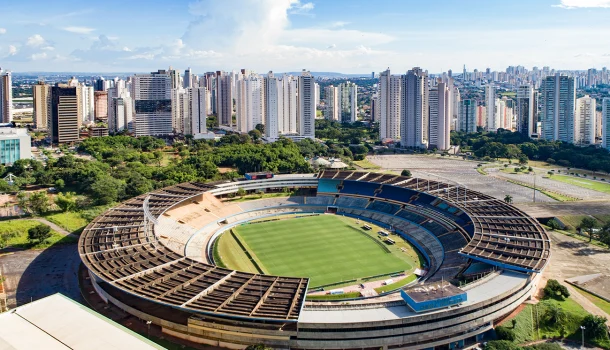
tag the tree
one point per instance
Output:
(255, 134)
(106, 190)
(39, 202)
(554, 289)
(66, 201)
(514, 322)
(260, 127)
(406, 173)
(241, 192)
(504, 333)
(595, 327)
(158, 155)
(39, 233)
(589, 224)
(60, 184)
(508, 199)
(555, 315)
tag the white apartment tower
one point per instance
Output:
(87, 102)
(525, 110)
(250, 104)
(389, 105)
(274, 106)
(331, 98)
(493, 122)
(152, 99)
(414, 113)
(440, 116)
(307, 105)
(180, 109)
(6, 96)
(290, 101)
(455, 106)
(585, 123)
(347, 94)
(557, 99)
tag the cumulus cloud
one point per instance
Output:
(35, 41)
(79, 30)
(572, 4)
(331, 46)
(2, 31)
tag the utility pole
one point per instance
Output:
(534, 187)
(582, 330)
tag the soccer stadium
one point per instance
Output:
(334, 260)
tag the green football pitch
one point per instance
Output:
(326, 248)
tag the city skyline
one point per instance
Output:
(287, 35)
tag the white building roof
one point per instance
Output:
(57, 322)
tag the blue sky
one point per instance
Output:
(350, 36)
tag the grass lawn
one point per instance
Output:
(366, 164)
(71, 221)
(403, 282)
(326, 248)
(584, 183)
(599, 302)
(533, 323)
(20, 239)
(481, 171)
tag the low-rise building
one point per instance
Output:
(15, 144)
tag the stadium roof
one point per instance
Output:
(57, 322)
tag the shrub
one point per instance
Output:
(406, 172)
(501, 345)
(554, 289)
(504, 333)
(39, 233)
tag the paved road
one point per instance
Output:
(539, 210)
(34, 274)
(571, 258)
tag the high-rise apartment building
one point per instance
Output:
(41, 94)
(389, 106)
(307, 105)
(585, 121)
(274, 106)
(375, 107)
(347, 94)
(557, 100)
(526, 124)
(467, 119)
(224, 98)
(606, 123)
(289, 124)
(152, 103)
(188, 78)
(493, 122)
(455, 106)
(6, 96)
(199, 97)
(121, 118)
(331, 99)
(250, 102)
(66, 119)
(414, 109)
(87, 102)
(439, 103)
(100, 105)
(180, 109)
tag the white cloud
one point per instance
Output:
(39, 56)
(35, 40)
(79, 30)
(572, 4)
(2, 31)
(339, 24)
(12, 50)
(331, 46)
(297, 8)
